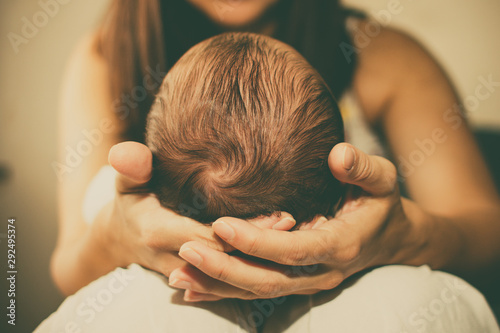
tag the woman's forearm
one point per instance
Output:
(83, 256)
(469, 242)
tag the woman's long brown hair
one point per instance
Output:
(142, 40)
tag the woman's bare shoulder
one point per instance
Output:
(86, 82)
(86, 65)
(387, 60)
(85, 57)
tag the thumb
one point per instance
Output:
(374, 174)
(134, 163)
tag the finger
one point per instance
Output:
(300, 247)
(318, 221)
(174, 230)
(261, 280)
(193, 279)
(277, 221)
(308, 291)
(193, 296)
(133, 162)
(374, 174)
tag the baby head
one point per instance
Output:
(242, 126)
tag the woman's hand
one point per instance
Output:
(370, 229)
(139, 230)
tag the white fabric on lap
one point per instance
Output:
(390, 299)
(138, 300)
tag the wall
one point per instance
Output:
(462, 35)
(29, 82)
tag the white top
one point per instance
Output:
(100, 191)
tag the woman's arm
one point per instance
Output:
(452, 222)
(455, 205)
(85, 107)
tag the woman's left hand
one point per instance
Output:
(370, 229)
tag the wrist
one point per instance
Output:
(404, 237)
(104, 238)
(430, 240)
(410, 236)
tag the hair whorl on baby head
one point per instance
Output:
(242, 126)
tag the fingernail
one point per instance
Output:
(191, 256)
(285, 224)
(319, 222)
(193, 297)
(349, 157)
(178, 283)
(224, 231)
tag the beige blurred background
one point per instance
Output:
(462, 35)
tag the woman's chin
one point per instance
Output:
(235, 21)
(234, 13)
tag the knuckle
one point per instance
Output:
(164, 269)
(248, 295)
(350, 252)
(332, 282)
(363, 171)
(253, 246)
(268, 289)
(204, 234)
(152, 240)
(222, 273)
(211, 243)
(294, 257)
(163, 264)
(323, 251)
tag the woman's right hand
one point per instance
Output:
(139, 230)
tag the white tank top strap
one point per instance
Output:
(100, 191)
